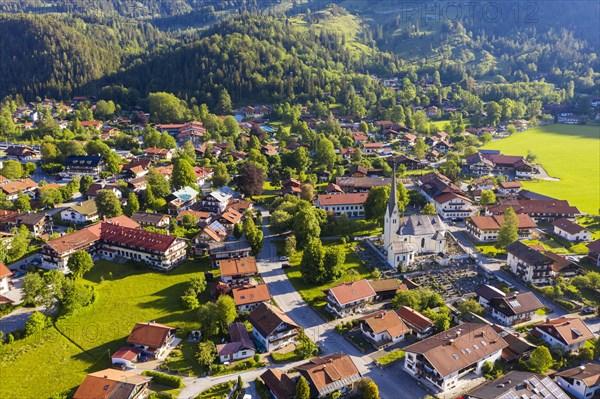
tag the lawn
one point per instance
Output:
(217, 391)
(313, 294)
(391, 357)
(58, 359)
(569, 153)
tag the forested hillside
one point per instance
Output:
(262, 58)
(52, 55)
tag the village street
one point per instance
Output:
(391, 381)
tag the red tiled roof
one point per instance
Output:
(135, 237)
(342, 199)
(250, 294)
(109, 383)
(414, 318)
(494, 222)
(149, 334)
(238, 266)
(4, 271)
(127, 353)
(386, 321)
(569, 330)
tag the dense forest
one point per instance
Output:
(275, 56)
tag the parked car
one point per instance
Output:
(588, 310)
(285, 266)
(284, 258)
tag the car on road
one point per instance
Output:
(284, 258)
(19, 273)
(588, 310)
(285, 266)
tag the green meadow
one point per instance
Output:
(569, 153)
(58, 359)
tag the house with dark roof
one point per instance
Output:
(421, 326)
(145, 219)
(514, 309)
(90, 165)
(328, 374)
(566, 334)
(383, 328)
(272, 328)
(581, 382)
(535, 266)
(151, 337)
(539, 209)
(518, 384)
(518, 348)
(239, 347)
(279, 384)
(349, 298)
(445, 358)
(594, 252)
(38, 223)
(570, 230)
(113, 383)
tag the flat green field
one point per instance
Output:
(56, 360)
(569, 153)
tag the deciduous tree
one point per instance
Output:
(108, 204)
(80, 263)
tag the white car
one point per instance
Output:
(284, 258)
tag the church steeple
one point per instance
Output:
(393, 201)
(392, 217)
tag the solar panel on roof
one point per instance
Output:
(514, 304)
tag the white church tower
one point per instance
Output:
(392, 216)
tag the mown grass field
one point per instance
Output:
(569, 153)
(58, 359)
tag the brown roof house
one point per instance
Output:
(420, 325)
(112, 383)
(566, 334)
(272, 328)
(237, 271)
(279, 384)
(240, 347)
(514, 309)
(445, 358)
(487, 228)
(387, 288)
(535, 266)
(570, 230)
(383, 328)
(328, 374)
(594, 252)
(153, 338)
(581, 382)
(250, 296)
(349, 298)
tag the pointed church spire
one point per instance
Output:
(393, 201)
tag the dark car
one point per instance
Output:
(588, 310)
(285, 266)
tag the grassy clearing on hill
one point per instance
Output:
(569, 153)
(58, 358)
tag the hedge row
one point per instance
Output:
(167, 380)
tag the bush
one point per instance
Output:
(167, 380)
(36, 323)
(566, 304)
